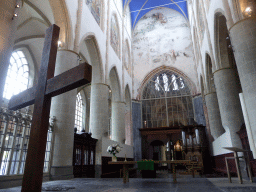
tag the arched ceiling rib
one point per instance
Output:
(140, 7)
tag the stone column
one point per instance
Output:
(7, 32)
(63, 108)
(99, 110)
(214, 115)
(227, 88)
(118, 121)
(243, 38)
(99, 119)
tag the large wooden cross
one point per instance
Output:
(40, 95)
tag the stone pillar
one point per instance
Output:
(99, 119)
(227, 88)
(243, 38)
(7, 32)
(99, 110)
(214, 115)
(63, 108)
(118, 121)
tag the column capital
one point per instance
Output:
(69, 51)
(100, 84)
(121, 102)
(240, 21)
(209, 93)
(221, 70)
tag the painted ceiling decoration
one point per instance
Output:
(139, 8)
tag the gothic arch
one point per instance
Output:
(114, 81)
(220, 28)
(210, 86)
(161, 68)
(166, 100)
(62, 19)
(202, 86)
(89, 49)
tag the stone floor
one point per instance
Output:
(162, 183)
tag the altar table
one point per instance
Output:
(126, 163)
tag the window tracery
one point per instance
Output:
(17, 75)
(167, 101)
(79, 112)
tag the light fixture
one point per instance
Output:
(177, 146)
(14, 15)
(248, 12)
(59, 43)
(248, 9)
(17, 6)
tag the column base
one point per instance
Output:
(98, 171)
(61, 173)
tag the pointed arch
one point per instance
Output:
(210, 86)
(115, 84)
(166, 100)
(89, 49)
(161, 68)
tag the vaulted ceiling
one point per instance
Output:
(140, 7)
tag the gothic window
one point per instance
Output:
(79, 112)
(114, 35)
(17, 75)
(167, 101)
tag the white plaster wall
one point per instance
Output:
(89, 27)
(72, 10)
(222, 141)
(155, 39)
(125, 149)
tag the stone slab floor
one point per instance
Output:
(185, 184)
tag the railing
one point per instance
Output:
(14, 139)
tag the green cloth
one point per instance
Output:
(146, 165)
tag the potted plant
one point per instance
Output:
(114, 149)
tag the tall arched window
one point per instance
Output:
(17, 75)
(79, 112)
(167, 101)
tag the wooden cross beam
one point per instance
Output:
(40, 95)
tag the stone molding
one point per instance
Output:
(248, 18)
(220, 70)
(59, 49)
